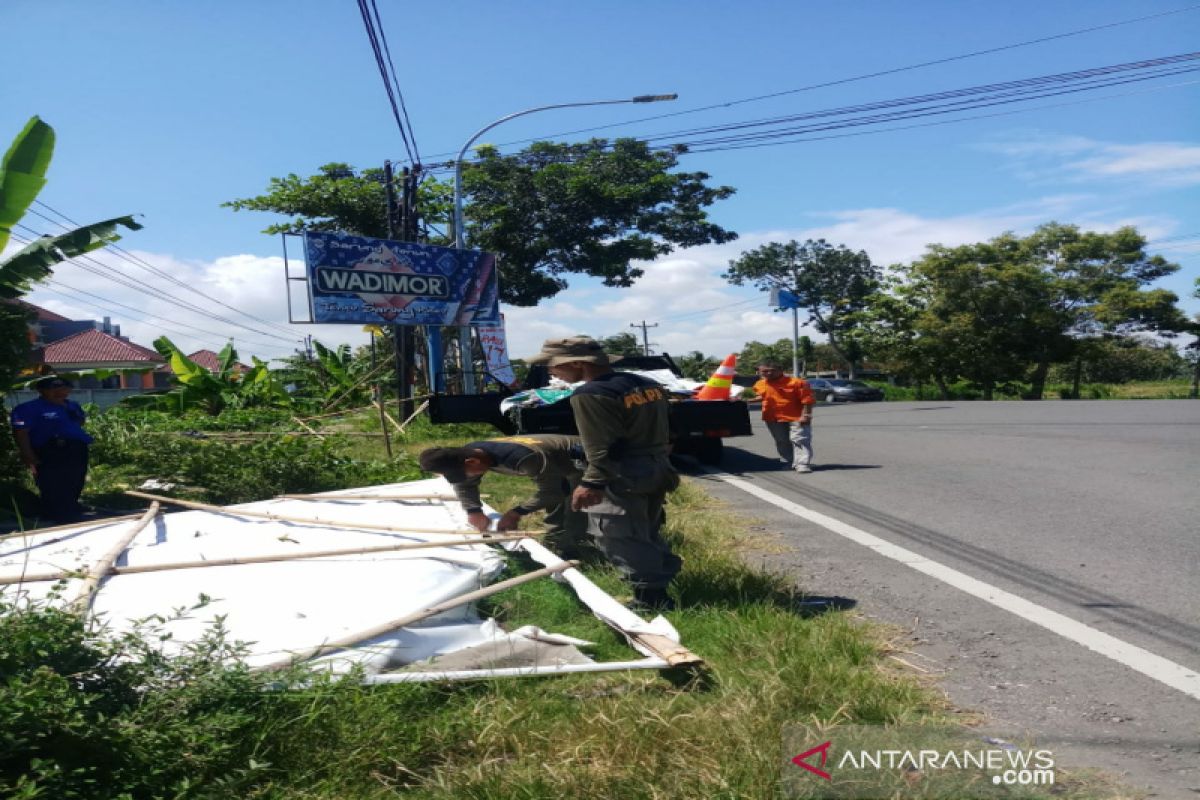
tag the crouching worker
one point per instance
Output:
(554, 463)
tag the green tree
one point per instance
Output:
(622, 344)
(753, 353)
(988, 310)
(832, 284)
(697, 366)
(552, 210)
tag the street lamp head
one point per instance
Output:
(654, 98)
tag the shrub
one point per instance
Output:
(132, 446)
(85, 716)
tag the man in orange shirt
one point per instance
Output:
(787, 408)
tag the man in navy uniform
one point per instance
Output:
(53, 444)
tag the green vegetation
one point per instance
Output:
(87, 715)
(598, 207)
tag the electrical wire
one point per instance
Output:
(141, 263)
(46, 284)
(855, 78)
(374, 36)
(106, 271)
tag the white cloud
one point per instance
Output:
(1040, 158)
(693, 306)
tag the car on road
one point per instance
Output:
(852, 391)
(822, 389)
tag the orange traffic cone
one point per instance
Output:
(718, 385)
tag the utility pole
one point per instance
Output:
(645, 338)
(397, 228)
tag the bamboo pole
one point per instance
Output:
(236, 434)
(414, 415)
(308, 427)
(383, 413)
(366, 497)
(383, 417)
(57, 575)
(365, 380)
(533, 671)
(72, 526)
(302, 520)
(91, 582)
(335, 413)
(408, 619)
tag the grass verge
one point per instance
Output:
(637, 735)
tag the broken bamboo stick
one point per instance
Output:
(309, 428)
(91, 582)
(71, 526)
(408, 619)
(57, 575)
(233, 512)
(414, 415)
(399, 428)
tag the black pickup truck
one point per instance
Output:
(697, 426)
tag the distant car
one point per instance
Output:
(853, 391)
(822, 389)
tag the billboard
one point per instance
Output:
(365, 281)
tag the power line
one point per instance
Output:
(378, 40)
(141, 263)
(103, 270)
(61, 288)
(1006, 93)
(855, 78)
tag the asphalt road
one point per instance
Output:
(1088, 509)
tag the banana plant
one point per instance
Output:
(212, 392)
(22, 176)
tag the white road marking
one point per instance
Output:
(1160, 669)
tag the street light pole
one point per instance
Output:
(460, 239)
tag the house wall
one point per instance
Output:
(102, 398)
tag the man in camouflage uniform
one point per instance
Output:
(622, 422)
(554, 462)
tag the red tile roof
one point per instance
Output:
(211, 361)
(92, 346)
(43, 314)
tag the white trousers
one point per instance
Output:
(793, 441)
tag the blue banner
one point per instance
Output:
(365, 281)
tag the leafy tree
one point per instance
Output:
(622, 344)
(552, 210)
(755, 352)
(338, 198)
(987, 310)
(832, 284)
(697, 366)
(1121, 360)
(590, 209)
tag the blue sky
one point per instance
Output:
(167, 109)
